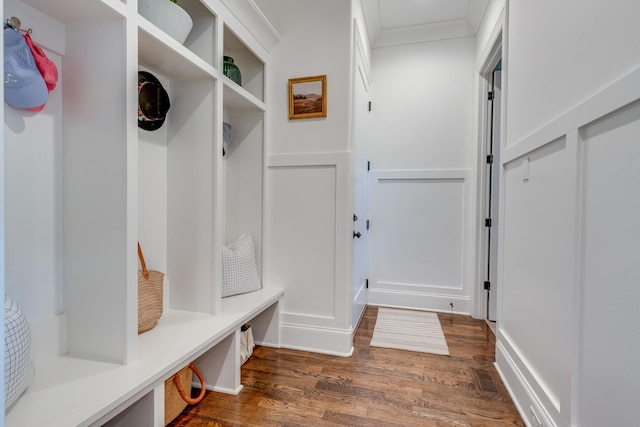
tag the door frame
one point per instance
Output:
(359, 297)
(494, 52)
(491, 194)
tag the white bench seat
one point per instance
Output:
(68, 391)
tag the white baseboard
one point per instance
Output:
(225, 390)
(267, 344)
(359, 305)
(420, 301)
(334, 342)
(534, 405)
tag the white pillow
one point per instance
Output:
(239, 270)
(18, 370)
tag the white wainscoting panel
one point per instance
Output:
(567, 335)
(418, 235)
(306, 238)
(609, 378)
(537, 269)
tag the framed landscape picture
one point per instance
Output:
(308, 97)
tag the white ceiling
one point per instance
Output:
(393, 22)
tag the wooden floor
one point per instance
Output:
(376, 387)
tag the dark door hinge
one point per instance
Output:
(487, 285)
(368, 224)
(366, 283)
(368, 166)
(490, 159)
(369, 105)
(487, 222)
(491, 95)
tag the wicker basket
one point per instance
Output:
(176, 398)
(149, 295)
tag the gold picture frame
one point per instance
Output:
(308, 97)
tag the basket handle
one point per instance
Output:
(145, 272)
(183, 394)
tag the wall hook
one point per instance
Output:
(15, 23)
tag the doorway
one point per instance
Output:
(492, 190)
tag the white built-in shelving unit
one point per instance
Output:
(115, 184)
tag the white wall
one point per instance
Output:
(315, 40)
(32, 148)
(423, 105)
(31, 205)
(307, 235)
(32, 208)
(571, 53)
(421, 186)
(566, 329)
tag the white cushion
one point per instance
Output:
(239, 269)
(18, 370)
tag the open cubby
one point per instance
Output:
(201, 39)
(243, 180)
(176, 187)
(250, 65)
(159, 51)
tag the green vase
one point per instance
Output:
(231, 70)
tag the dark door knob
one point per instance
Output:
(356, 235)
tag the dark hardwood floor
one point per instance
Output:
(376, 387)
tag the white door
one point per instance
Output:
(361, 138)
(494, 179)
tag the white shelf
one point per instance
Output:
(159, 51)
(182, 336)
(71, 11)
(78, 392)
(237, 99)
(251, 303)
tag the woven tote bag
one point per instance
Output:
(176, 398)
(150, 284)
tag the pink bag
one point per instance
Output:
(46, 67)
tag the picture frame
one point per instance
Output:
(308, 97)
